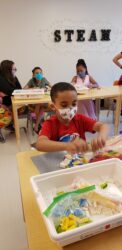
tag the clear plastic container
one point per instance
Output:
(99, 171)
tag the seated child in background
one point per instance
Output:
(83, 79)
(38, 81)
(65, 131)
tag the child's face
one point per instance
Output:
(81, 69)
(37, 71)
(38, 75)
(65, 100)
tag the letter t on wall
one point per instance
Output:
(69, 33)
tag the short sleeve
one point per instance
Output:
(45, 82)
(87, 123)
(47, 130)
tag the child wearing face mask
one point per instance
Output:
(65, 131)
(38, 81)
(81, 80)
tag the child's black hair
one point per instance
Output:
(36, 69)
(81, 62)
(60, 87)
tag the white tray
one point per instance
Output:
(41, 184)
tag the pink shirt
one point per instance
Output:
(82, 82)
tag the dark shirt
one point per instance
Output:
(7, 88)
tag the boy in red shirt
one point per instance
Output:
(66, 130)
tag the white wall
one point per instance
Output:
(26, 37)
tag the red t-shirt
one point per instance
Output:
(54, 129)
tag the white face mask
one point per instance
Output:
(68, 113)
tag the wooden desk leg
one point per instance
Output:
(97, 108)
(16, 122)
(117, 115)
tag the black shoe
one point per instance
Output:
(33, 145)
(38, 130)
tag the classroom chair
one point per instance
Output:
(32, 120)
(47, 112)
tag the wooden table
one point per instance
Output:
(103, 93)
(37, 235)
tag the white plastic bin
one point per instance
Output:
(41, 184)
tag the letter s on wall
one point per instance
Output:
(57, 35)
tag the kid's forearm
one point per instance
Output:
(116, 60)
(50, 146)
(117, 63)
(101, 128)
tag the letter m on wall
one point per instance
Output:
(105, 35)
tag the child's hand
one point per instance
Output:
(98, 142)
(76, 146)
(90, 86)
